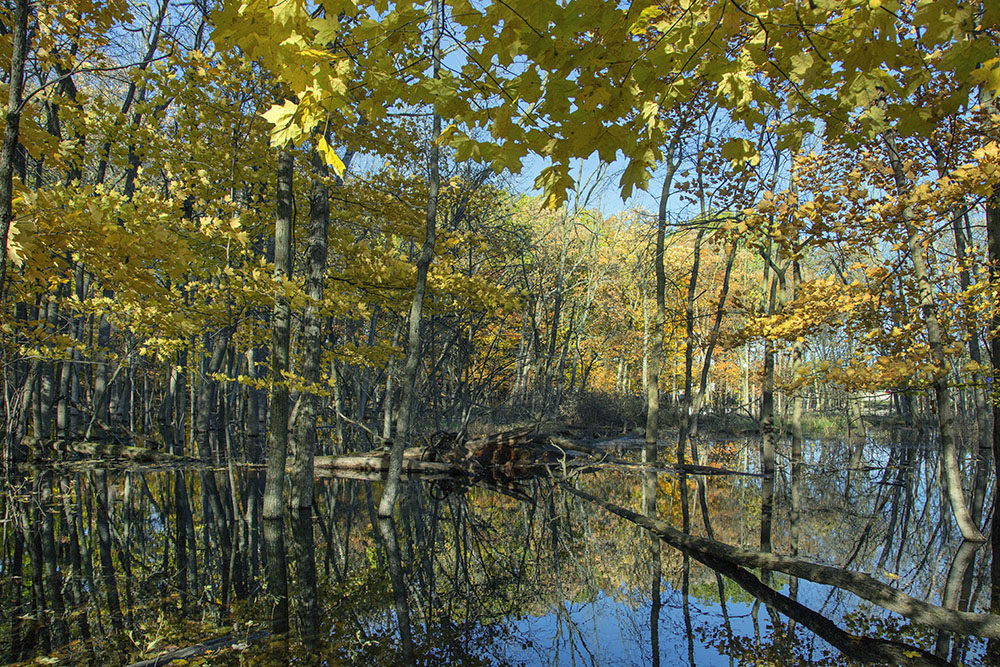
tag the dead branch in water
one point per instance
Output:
(863, 585)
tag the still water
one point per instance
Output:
(120, 564)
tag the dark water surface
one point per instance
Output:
(116, 565)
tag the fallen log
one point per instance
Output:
(518, 448)
(520, 451)
(863, 585)
(517, 453)
(415, 460)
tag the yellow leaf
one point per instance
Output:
(330, 156)
(281, 117)
(740, 152)
(288, 11)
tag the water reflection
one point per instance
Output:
(114, 566)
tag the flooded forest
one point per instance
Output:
(514, 332)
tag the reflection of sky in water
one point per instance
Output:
(615, 630)
(609, 632)
(612, 632)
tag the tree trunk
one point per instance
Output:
(409, 378)
(12, 128)
(797, 459)
(656, 348)
(78, 599)
(302, 465)
(993, 244)
(687, 405)
(951, 476)
(984, 435)
(863, 585)
(387, 529)
(53, 578)
(277, 435)
(699, 397)
(767, 451)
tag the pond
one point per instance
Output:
(117, 565)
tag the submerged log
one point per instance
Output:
(218, 644)
(62, 449)
(863, 585)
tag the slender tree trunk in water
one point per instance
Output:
(12, 127)
(184, 553)
(767, 452)
(687, 405)
(83, 529)
(951, 476)
(277, 435)
(796, 462)
(125, 550)
(36, 634)
(695, 413)
(78, 600)
(16, 611)
(699, 397)
(312, 344)
(302, 464)
(167, 421)
(254, 478)
(993, 243)
(304, 555)
(984, 434)
(656, 348)
(409, 378)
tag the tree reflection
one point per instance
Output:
(103, 565)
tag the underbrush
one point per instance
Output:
(597, 410)
(596, 414)
(730, 422)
